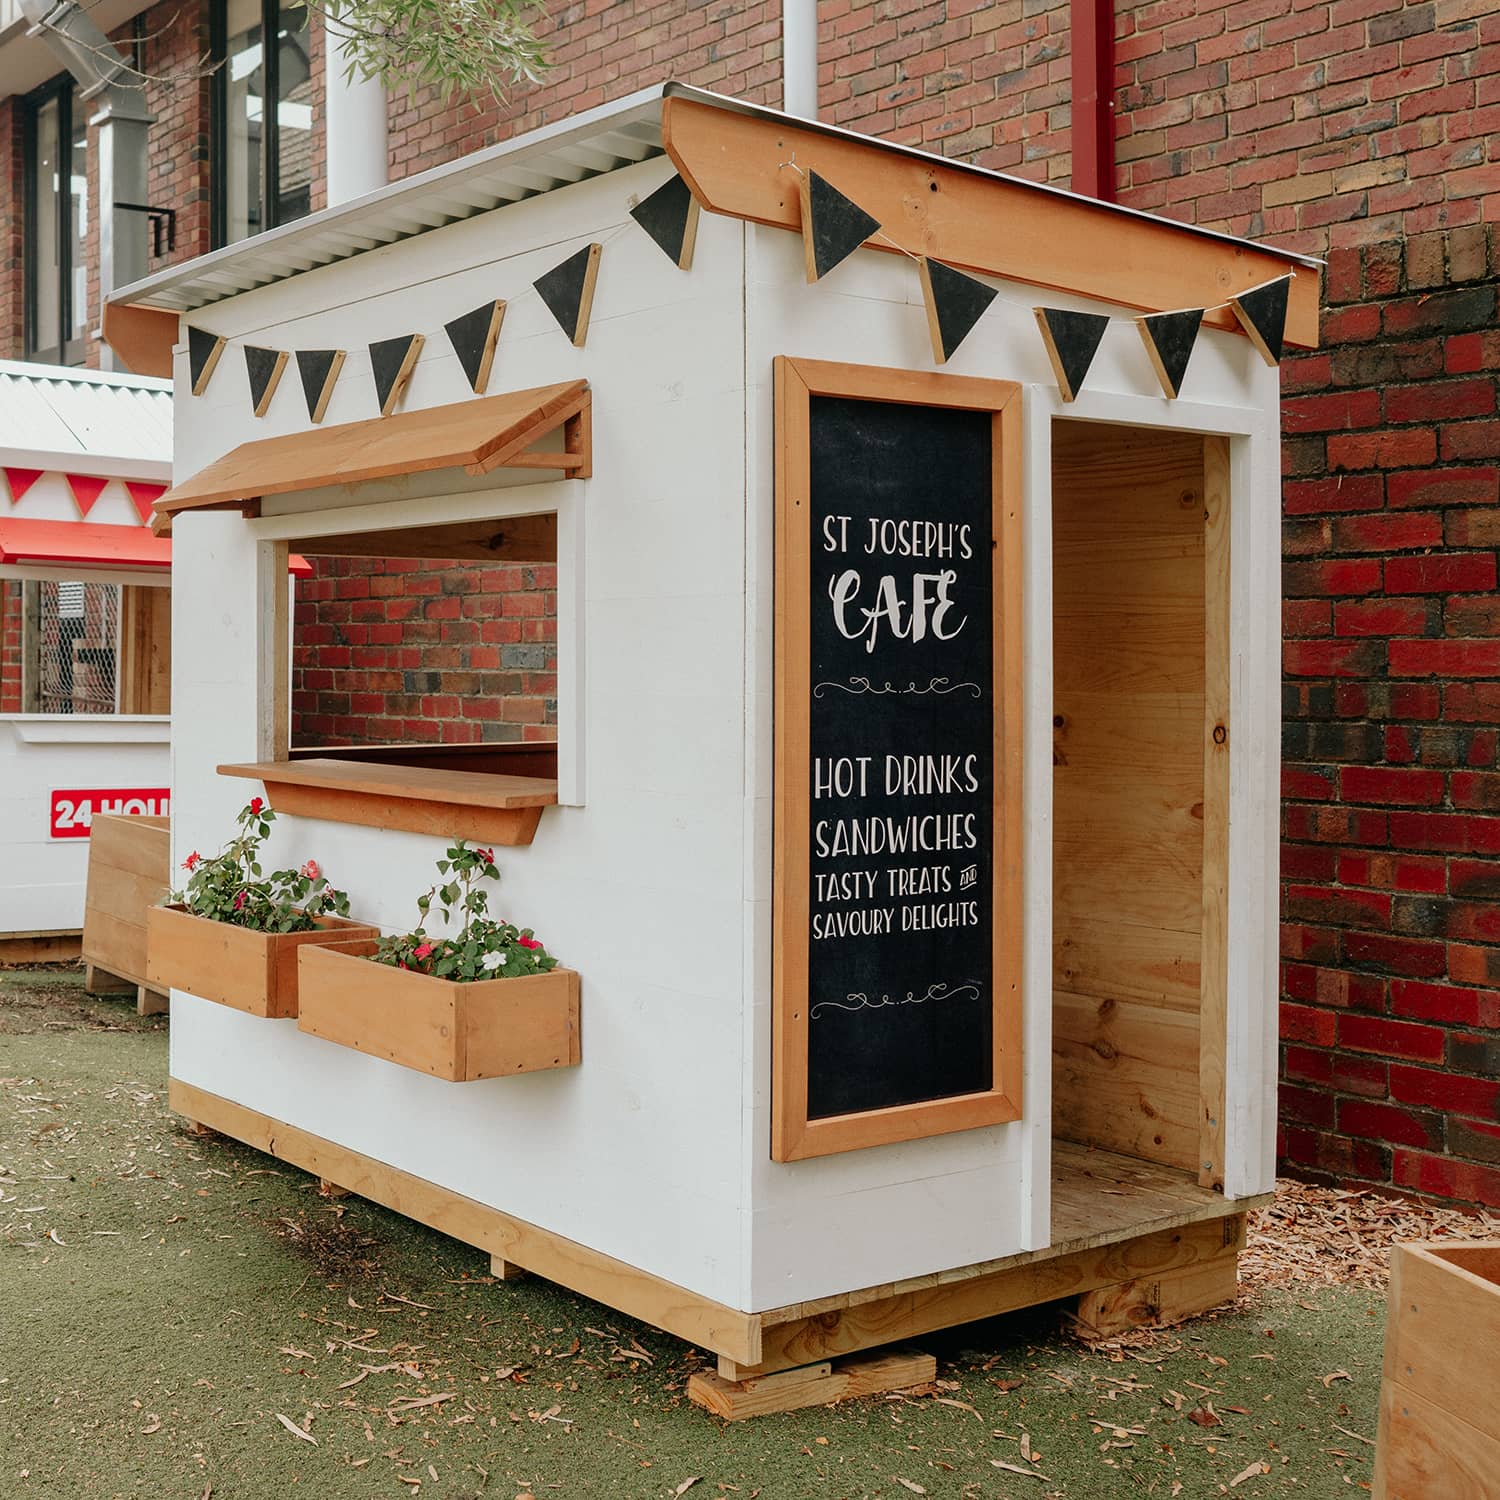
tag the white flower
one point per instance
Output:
(492, 960)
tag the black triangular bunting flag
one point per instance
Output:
(204, 349)
(1262, 314)
(833, 226)
(955, 303)
(474, 337)
(264, 367)
(670, 217)
(319, 369)
(568, 291)
(391, 362)
(1169, 338)
(1072, 340)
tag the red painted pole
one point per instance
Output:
(1093, 34)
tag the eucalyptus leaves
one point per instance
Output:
(484, 947)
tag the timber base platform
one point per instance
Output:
(1134, 1243)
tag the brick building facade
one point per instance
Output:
(1363, 131)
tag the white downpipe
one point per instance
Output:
(799, 58)
(355, 116)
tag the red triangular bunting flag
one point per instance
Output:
(145, 496)
(21, 480)
(86, 489)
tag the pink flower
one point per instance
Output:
(487, 855)
(423, 952)
(192, 862)
(239, 901)
(310, 870)
(256, 803)
(527, 942)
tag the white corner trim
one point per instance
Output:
(90, 729)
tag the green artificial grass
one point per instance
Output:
(166, 1300)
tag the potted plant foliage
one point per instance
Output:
(482, 999)
(232, 933)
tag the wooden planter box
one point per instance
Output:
(489, 1028)
(130, 870)
(251, 971)
(1439, 1436)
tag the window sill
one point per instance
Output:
(90, 729)
(491, 809)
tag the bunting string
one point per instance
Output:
(833, 227)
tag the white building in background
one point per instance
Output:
(85, 631)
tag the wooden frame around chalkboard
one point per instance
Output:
(793, 1135)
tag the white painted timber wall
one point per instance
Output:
(642, 888)
(658, 887)
(42, 879)
(835, 1223)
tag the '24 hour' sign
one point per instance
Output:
(898, 974)
(72, 812)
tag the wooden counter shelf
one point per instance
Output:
(492, 809)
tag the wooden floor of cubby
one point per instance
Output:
(1134, 1243)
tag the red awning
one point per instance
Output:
(92, 544)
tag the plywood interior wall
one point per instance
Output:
(145, 653)
(1128, 786)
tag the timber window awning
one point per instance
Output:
(477, 436)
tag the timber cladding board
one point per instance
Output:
(1439, 1433)
(740, 165)
(865, 457)
(1132, 607)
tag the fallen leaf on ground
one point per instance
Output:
(1000, 1463)
(1333, 1375)
(295, 1430)
(916, 1489)
(687, 1484)
(1250, 1471)
(1205, 1416)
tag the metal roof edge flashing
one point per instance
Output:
(603, 139)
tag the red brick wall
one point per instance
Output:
(12, 197)
(600, 50)
(973, 79)
(1391, 865)
(404, 650)
(10, 647)
(1366, 131)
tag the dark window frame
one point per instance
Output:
(61, 350)
(270, 135)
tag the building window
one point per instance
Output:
(78, 646)
(262, 117)
(57, 212)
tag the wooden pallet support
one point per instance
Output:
(1156, 1301)
(19, 949)
(327, 1189)
(505, 1270)
(99, 981)
(150, 1002)
(816, 1384)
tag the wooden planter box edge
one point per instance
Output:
(489, 1028)
(255, 972)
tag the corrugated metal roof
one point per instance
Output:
(85, 421)
(586, 145)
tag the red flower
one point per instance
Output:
(256, 803)
(239, 900)
(487, 855)
(192, 862)
(423, 952)
(527, 942)
(310, 870)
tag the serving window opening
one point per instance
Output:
(1140, 815)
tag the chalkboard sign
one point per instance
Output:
(898, 788)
